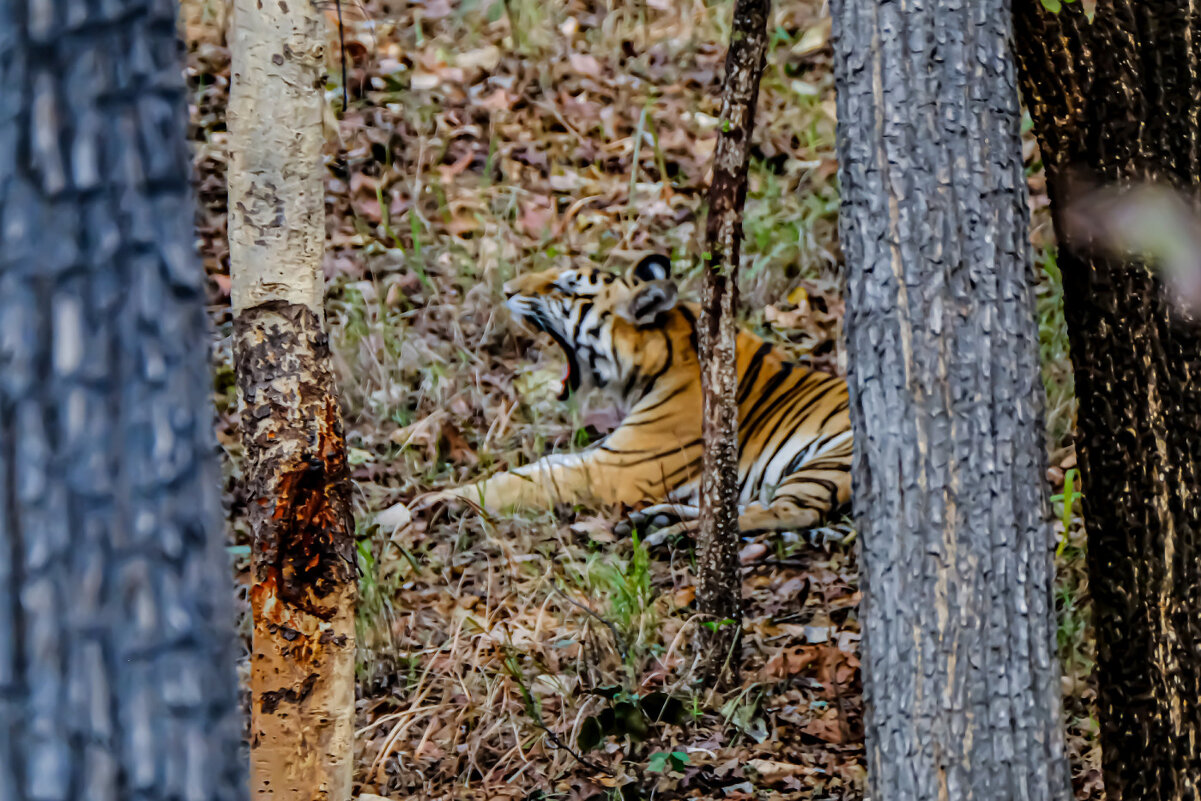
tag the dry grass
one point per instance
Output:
(485, 139)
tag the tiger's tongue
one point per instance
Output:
(565, 388)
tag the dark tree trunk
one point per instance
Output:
(1118, 100)
(960, 676)
(116, 646)
(719, 583)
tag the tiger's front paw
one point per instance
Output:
(395, 519)
(399, 516)
(658, 523)
(453, 501)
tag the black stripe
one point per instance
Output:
(677, 475)
(768, 390)
(795, 417)
(792, 416)
(796, 464)
(666, 398)
(776, 453)
(752, 421)
(629, 386)
(824, 465)
(667, 364)
(829, 486)
(789, 415)
(691, 328)
(652, 421)
(807, 396)
(591, 333)
(840, 408)
(656, 456)
(752, 371)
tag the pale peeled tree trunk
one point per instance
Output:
(303, 592)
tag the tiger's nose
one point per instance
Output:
(510, 289)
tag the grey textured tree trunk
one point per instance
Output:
(303, 592)
(962, 698)
(719, 583)
(1118, 99)
(116, 660)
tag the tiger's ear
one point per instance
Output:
(648, 301)
(654, 267)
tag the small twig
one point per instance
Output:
(583, 760)
(621, 645)
(532, 710)
(342, 48)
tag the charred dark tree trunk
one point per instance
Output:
(719, 583)
(1117, 100)
(116, 621)
(959, 669)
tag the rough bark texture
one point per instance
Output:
(719, 583)
(303, 593)
(1118, 100)
(958, 647)
(116, 627)
(302, 599)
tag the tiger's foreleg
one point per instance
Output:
(804, 498)
(780, 515)
(801, 501)
(559, 478)
(555, 479)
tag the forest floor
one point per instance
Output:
(547, 657)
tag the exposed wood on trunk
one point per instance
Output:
(719, 583)
(302, 598)
(960, 677)
(117, 651)
(1114, 101)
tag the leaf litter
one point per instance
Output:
(546, 657)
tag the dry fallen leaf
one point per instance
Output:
(500, 100)
(458, 450)
(394, 519)
(790, 661)
(827, 728)
(422, 434)
(484, 58)
(424, 81)
(536, 217)
(752, 552)
(772, 772)
(434, 9)
(794, 318)
(813, 39)
(596, 529)
(585, 64)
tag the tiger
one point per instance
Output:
(632, 338)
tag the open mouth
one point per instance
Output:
(571, 379)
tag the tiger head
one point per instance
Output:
(619, 333)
